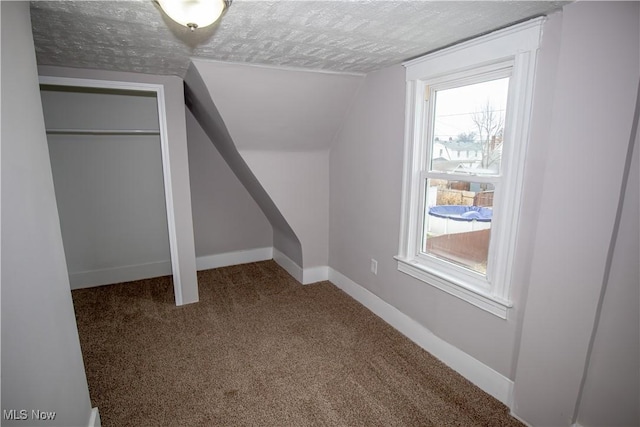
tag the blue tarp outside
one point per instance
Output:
(462, 213)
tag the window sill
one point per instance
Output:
(489, 303)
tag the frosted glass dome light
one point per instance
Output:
(193, 13)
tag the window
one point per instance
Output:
(454, 227)
(460, 216)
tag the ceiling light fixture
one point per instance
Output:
(194, 13)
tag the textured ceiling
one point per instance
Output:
(344, 36)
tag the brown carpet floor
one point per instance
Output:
(259, 349)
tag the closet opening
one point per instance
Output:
(110, 164)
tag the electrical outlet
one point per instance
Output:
(374, 266)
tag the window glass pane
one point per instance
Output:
(457, 222)
(468, 128)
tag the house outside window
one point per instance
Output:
(460, 216)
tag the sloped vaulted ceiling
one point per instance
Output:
(277, 109)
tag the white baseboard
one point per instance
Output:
(521, 420)
(315, 274)
(288, 264)
(107, 276)
(489, 380)
(233, 258)
(94, 419)
(305, 276)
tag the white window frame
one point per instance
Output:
(513, 48)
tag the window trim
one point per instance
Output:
(516, 47)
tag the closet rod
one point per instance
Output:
(103, 132)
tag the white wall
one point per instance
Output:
(592, 107)
(181, 217)
(109, 188)
(225, 217)
(42, 365)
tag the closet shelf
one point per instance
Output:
(103, 132)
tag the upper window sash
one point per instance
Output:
(430, 87)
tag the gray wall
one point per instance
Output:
(225, 217)
(41, 360)
(586, 82)
(298, 183)
(278, 109)
(204, 110)
(585, 94)
(283, 122)
(78, 108)
(592, 108)
(612, 387)
(109, 188)
(365, 194)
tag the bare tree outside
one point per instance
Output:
(490, 124)
(466, 137)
